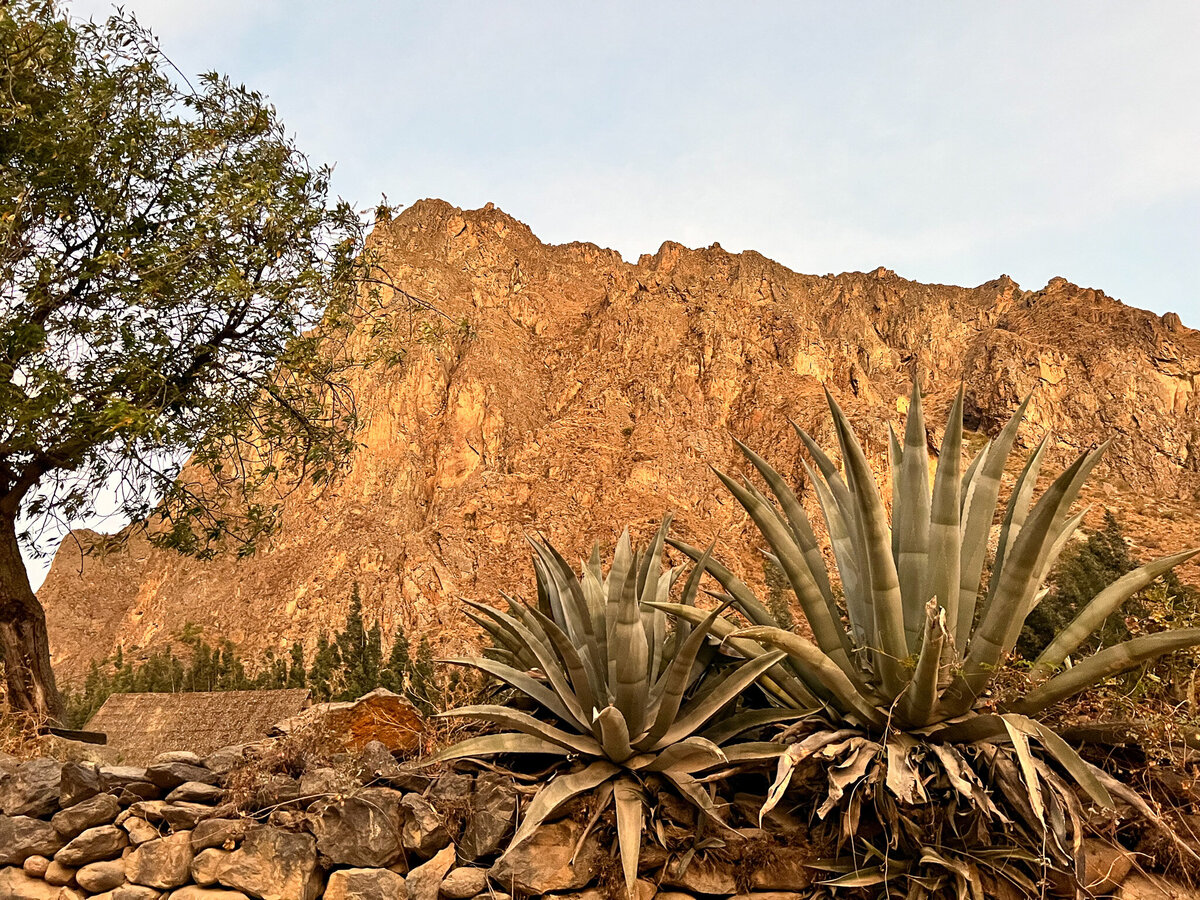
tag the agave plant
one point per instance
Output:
(903, 671)
(617, 693)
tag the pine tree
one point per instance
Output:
(297, 676)
(395, 674)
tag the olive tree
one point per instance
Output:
(175, 283)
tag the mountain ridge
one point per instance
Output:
(590, 392)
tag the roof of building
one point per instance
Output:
(141, 726)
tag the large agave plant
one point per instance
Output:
(903, 670)
(617, 693)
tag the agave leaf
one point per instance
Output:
(690, 755)
(678, 678)
(628, 679)
(630, 806)
(945, 537)
(910, 520)
(982, 493)
(921, 694)
(797, 519)
(825, 677)
(1104, 664)
(576, 617)
(613, 732)
(1093, 614)
(1017, 582)
(1066, 756)
(494, 744)
(753, 752)
(502, 715)
(701, 709)
(845, 548)
(579, 673)
(895, 464)
(744, 598)
(592, 585)
(869, 876)
(1018, 504)
(559, 791)
(550, 664)
(826, 628)
(651, 583)
(522, 681)
(1020, 742)
(786, 684)
(881, 567)
(730, 727)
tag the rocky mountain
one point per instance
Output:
(586, 393)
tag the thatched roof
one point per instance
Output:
(141, 726)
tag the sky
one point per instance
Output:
(950, 142)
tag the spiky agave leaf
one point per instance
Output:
(612, 690)
(923, 637)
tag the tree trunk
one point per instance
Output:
(24, 643)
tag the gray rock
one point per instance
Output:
(425, 880)
(23, 836)
(139, 830)
(376, 760)
(196, 792)
(542, 863)
(187, 757)
(58, 874)
(117, 777)
(325, 781)
(279, 790)
(224, 833)
(361, 830)
(273, 865)
(99, 809)
(31, 790)
(101, 876)
(226, 759)
(179, 816)
(169, 775)
(423, 831)
(36, 866)
(365, 884)
(105, 842)
(137, 791)
(164, 863)
(16, 885)
(78, 782)
(207, 865)
(464, 883)
(490, 818)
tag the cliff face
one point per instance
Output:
(590, 393)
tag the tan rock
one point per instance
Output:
(16, 885)
(542, 863)
(272, 864)
(207, 865)
(425, 881)
(162, 863)
(1106, 866)
(97, 877)
(365, 884)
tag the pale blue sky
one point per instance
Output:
(949, 141)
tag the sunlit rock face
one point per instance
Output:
(589, 393)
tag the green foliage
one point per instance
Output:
(614, 689)
(903, 673)
(1082, 572)
(344, 668)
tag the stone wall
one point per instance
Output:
(236, 825)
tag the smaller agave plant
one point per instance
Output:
(903, 664)
(618, 694)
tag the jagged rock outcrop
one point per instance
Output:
(589, 392)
